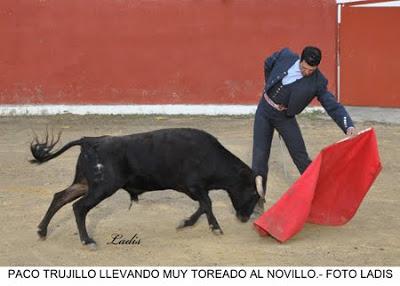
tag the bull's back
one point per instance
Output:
(174, 146)
(167, 158)
(171, 156)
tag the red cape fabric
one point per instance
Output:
(329, 192)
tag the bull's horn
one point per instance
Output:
(259, 186)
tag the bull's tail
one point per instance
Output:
(41, 152)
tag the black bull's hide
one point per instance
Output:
(186, 160)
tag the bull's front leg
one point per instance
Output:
(205, 202)
(192, 219)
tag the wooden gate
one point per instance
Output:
(369, 53)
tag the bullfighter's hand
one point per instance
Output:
(351, 131)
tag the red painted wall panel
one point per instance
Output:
(149, 51)
(369, 43)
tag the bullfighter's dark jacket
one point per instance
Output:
(302, 93)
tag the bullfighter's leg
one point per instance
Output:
(263, 133)
(81, 208)
(291, 134)
(59, 200)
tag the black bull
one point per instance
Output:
(186, 160)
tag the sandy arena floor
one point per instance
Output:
(371, 238)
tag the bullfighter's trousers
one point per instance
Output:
(267, 119)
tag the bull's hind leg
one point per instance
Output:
(81, 208)
(59, 200)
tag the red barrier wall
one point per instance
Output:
(149, 51)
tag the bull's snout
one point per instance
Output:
(242, 218)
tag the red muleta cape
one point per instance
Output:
(329, 192)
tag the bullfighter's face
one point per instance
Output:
(306, 69)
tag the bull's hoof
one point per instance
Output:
(90, 244)
(184, 223)
(181, 225)
(216, 231)
(42, 233)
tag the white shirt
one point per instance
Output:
(294, 73)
